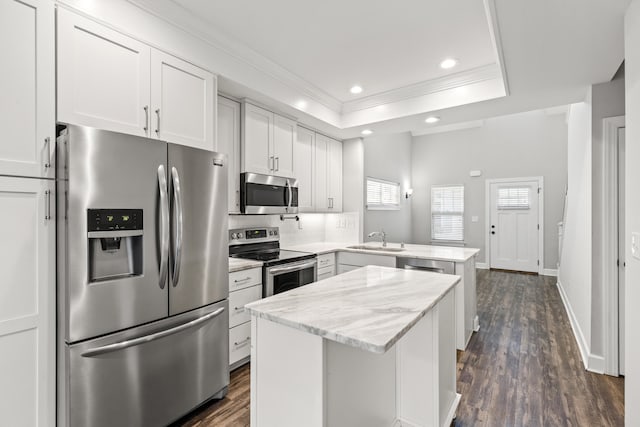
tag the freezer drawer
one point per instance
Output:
(148, 376)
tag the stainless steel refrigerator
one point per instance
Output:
(142, 279)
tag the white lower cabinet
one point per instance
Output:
(326, 265)
(245, 286)
(27, 302)
(348, 261)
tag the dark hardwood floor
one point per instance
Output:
(522, 368)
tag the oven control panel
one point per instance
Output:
(253, 235)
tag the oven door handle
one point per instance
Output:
(300, 266)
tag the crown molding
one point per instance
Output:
(451, 81)
(496, 40)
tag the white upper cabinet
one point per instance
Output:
(27, 302)
(257, 139)
(182, 102)
(334, 175)
(304, 167)
(284, 138)
(229, 144)
(27, 103)
(103, 77)
(110, 81)
(267, 142)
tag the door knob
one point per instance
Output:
(493, 232)
(493, 226)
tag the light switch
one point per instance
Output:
(635, 245)
(474, 219)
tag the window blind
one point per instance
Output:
(382, 194)
(513, 198)
(447, 213)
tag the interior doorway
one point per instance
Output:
(515, 225)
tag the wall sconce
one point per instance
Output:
(408, 193)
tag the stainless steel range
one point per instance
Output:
(282, 270)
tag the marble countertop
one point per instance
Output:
(238, 264)
(441, 253)
(370, 308)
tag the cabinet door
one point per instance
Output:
(284, 138)
(182, 100)
(27, 321)
(103, 77)
(304, 167)
(229, 143)
(257, 140)
(334, 175)
(321, 190)
(27, 104)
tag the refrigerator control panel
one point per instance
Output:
(114, 219)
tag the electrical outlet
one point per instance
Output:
(635, 245)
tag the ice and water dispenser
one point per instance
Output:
(115, 243)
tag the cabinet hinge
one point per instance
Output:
(538, 262)
(539, 188)
(538, 226)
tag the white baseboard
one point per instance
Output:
(591, 362)
(482, 265)
(476, 324)
(550, 272)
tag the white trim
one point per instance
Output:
(575, 327)
(487, 200)
(550, 272)
(609, 215)
(596, 364)
(449, 128)
(496, 39)
(482, 265)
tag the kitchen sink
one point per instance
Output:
(375, 248)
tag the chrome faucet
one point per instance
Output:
(380, 234)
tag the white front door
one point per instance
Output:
(514, 225)
(621, 252)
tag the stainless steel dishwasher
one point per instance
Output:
(446, 267)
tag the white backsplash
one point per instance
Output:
(312, 228)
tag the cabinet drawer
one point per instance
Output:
(239, 342)
(326, 271)
(237, 301)
(244, 279)
(326, 260)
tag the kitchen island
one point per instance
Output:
(371, 347)
(463, 259)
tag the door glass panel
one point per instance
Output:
(513, 198)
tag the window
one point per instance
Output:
(382, 194)
(447, 213)
(513, 198)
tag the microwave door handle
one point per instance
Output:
(148, 338)
(295, 267)
(164, 226)
(290, 196)
(177, 256)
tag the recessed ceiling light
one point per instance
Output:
(367, 132)
(432, 119)
(356, 89)
(448, 63)
(302, 104)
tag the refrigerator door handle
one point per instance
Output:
(164, 226)
(177, 194)
(148, 338)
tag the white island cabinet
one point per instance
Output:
(371, 347)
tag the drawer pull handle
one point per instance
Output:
(243, 342)
(242, 280)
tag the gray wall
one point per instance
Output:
(388, 157)
(519, 145)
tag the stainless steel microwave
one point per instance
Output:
(267, 194)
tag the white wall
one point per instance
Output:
(574, 276)
(519, 145)
(607, 100)
(388, 157)
(632, 196)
